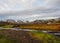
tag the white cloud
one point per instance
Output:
(20, 4)
(26, 4)
(50, 9)
(52, 4)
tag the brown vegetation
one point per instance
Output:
(54, 27)
(52, 24)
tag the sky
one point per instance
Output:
(29, 9)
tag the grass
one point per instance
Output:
(7, 26)
(12, 36)
(44, 37)
(4, 39)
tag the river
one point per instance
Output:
(45, 31)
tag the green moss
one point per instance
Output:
(44, 37)
(7, 26)
(4, 39)
(1, 36)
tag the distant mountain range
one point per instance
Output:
(11, 21)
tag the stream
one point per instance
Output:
(45, 31)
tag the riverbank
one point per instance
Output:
(52, 27)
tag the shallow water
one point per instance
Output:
(45, 31)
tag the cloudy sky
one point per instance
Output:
(29, 9)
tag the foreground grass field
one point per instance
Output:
(13, 36)
(45, 37)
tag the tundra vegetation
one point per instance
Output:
(8, 35)
(51, 24)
